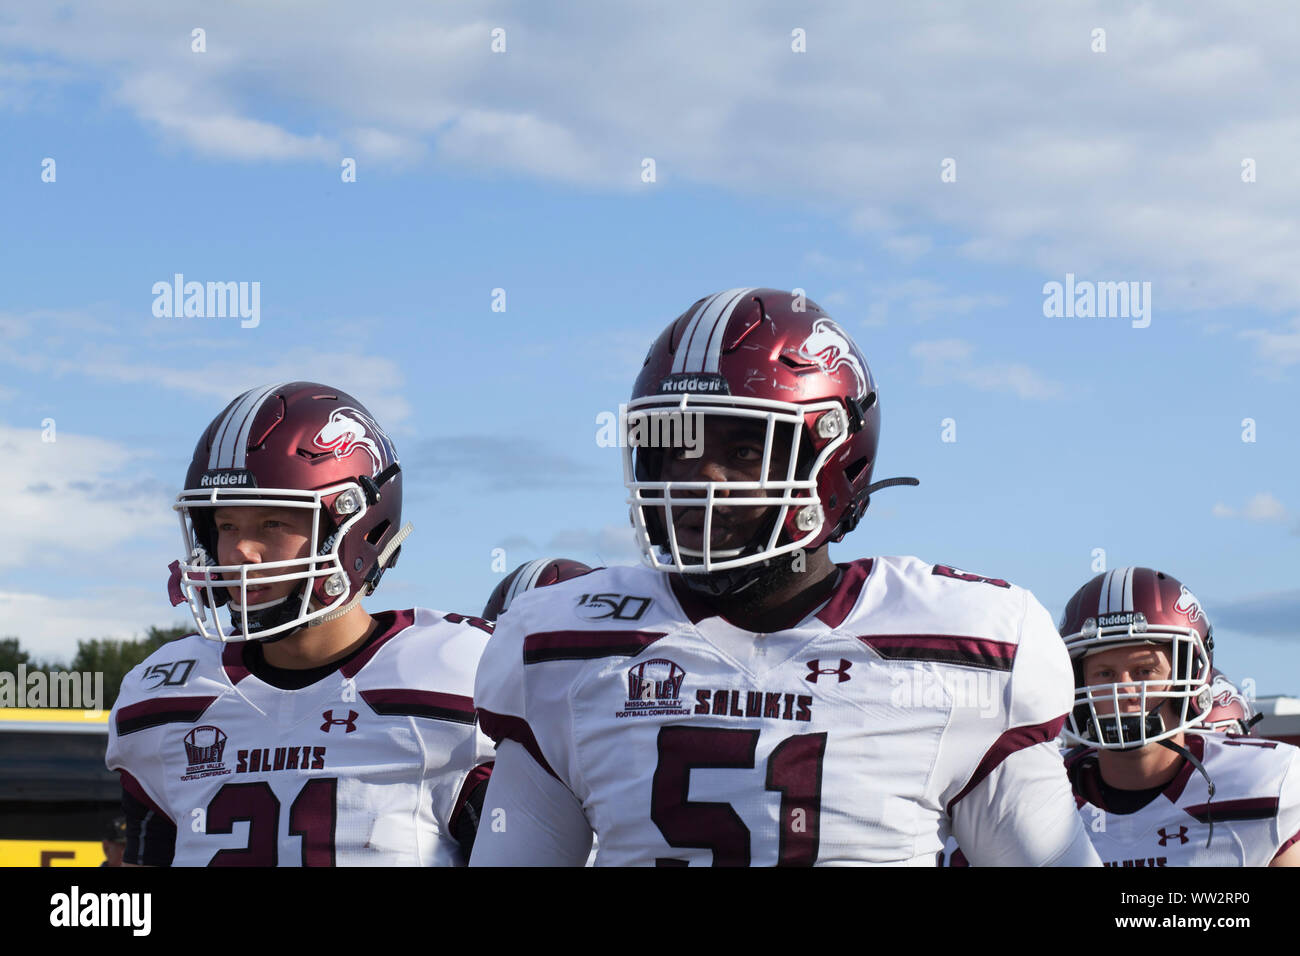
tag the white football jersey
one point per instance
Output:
(363, 767)
(1255, 808)
(919, 700)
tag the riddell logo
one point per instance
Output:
(694, 382)
(1111, 620)
(238, 478)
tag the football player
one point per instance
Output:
(1154, 788)
(744, 700)
(310, 732)
(1230, 712)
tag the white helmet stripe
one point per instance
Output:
(525, 580)
(688, 334)
(702, 339)
(1116, 592)
(714, 350)
(231, 441)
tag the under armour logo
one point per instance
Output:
(350, 721)
(1181, 834)
(815, 670)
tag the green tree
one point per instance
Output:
(11, 655)
(115, 658)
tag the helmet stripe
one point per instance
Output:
(241, 447)
(688, 335)
(232, 437)
(714, 350)
(706, 330)
(224, 435)
(525, 580)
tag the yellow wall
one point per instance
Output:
(50, 853)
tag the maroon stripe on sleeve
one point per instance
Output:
(1251, 808)
(478, 775)
(232, 659)
(846, 595)
(503, 726)
(1286, 846)
(586, 645)
(404, 702)
(159, 711)
(132, 786)
(943, 649)
(1017, 738)
(401, 621)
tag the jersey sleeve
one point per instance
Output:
(529, 817)
(1017, 808)
(132, 752)
(1288, 808)
(539, 719)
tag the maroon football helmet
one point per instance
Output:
(1230, 712)
(297, 445)
(534, 574)
(764, 356)
(1131, 607)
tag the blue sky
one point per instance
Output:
(522, 170)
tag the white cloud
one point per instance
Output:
(1066, 159)
(1262, 507)
(1276, 348)
(49, 628)
(952, 361)
(75, 497)
(376, 381)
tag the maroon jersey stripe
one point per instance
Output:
(1251, 808)
(846, 595)
(943, 649)
(161, 710)
(401, 621)
(404, 702)
(1017, 738)
(503, 726)
(232, 659)
(586, 645)
(1286, 846)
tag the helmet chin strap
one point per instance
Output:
(263, 619)
(1209, 784)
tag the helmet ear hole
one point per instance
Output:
(855, 468)
(377, 532)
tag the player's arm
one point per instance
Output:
(529, 817)
(150, 835)
(468, 810)
(1288, 857)
(1288, 817)
(1016, 808)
